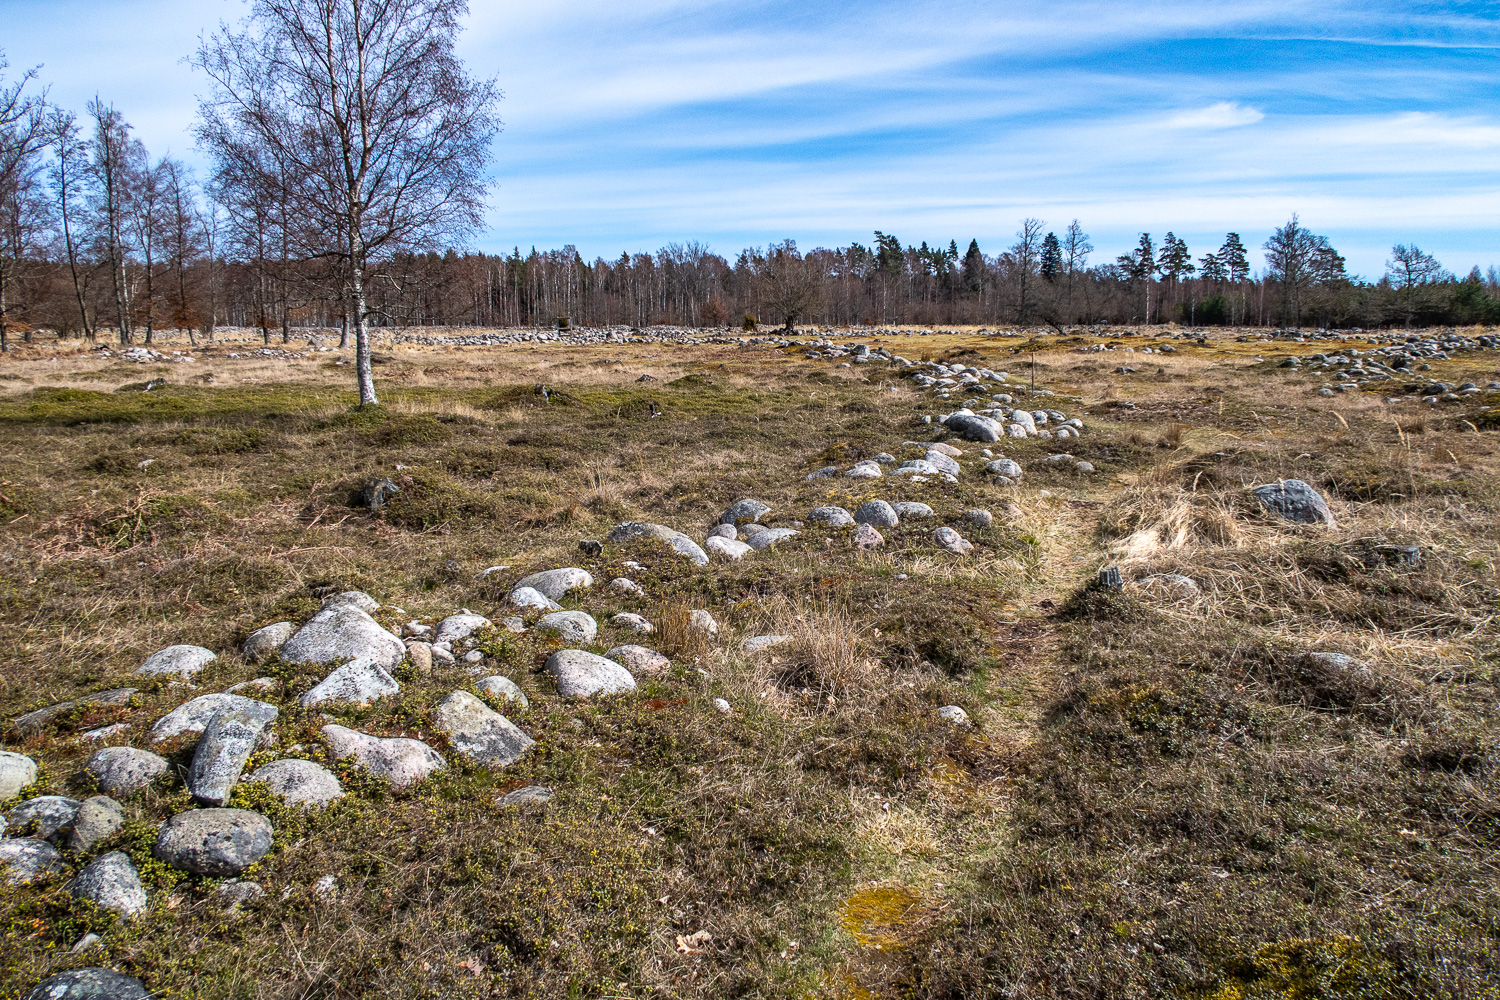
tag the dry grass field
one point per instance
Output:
(1159, 795)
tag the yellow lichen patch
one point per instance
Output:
(884, 916)
(1306, 968)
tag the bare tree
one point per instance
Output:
(1409, 269)
(1025, 258)
(383, 134)
(22, 136)
(69, 166)
(1297, 259)
(790, 284)
(115, 161)
(182, 242)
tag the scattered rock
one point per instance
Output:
(579, 674)
(504, 688)
(32, 721)
(721, 706)
(831, 517)
(112, 883)
(866, 538)
(26, 859)
(974, 427)
(630, 588)
(398, 760)
(377, 492)
(591, 547)
(356, 599)
(954, 714)
(98, 817)
(554, 583)
(48, 817)
(951, 540)
(702, 621)
(344, 632)
(762, 540)
(477, 731)
(576, 627)
(263, 642)
(90, 984)
(223, 750)
(16, 772)
(215, 842)
(942, 463)
(300, 782)
(744, 510)
(179, 661)
(680, 543)
(420, 654)
(756, 643)
(531, 795)
(358, 682)
(194, 716)
(258, 684)
(526, 597)
(722, 531)
(638, 659)
(978, 518)
(911, 508)
(1083, 466)
(123, 771)
(84, 943)
(456, 628)
(826, 472)
(1294, 500)
(865, 470)
(634, 622)
(943, 448)
(877, 513)
(916, 467)
(1173, 586)
(728, 548)
(237, 893)
(1004, 467)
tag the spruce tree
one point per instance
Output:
(1052, 260)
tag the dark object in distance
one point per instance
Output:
(589, 547)
(1109, 578)
(377, 493)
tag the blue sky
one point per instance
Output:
(632, 124)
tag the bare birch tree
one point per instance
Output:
(382, 135)
(22, 136)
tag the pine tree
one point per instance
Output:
(1232, 255)
(1140, 265)
(974, 268)
(1052, 260)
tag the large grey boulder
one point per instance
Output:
(911, 508)
(865, 470)
(16, 772)
(300, 782)
(554, 583)
(26, 859)
(90, 984)
(215, 842)
(975, 427)
(177, 661)
(477, 731)
(1004, 467)
(638, 659)
(124, 771)
(916, 467)
(528, 597)
(680, 543)
(744, 510)
(942, 462)
(456, 628)
(398, 760)
(194, 716)
(1294, 500)
(573, 626)
(826, 472)
(34, 720)
(49, 817)
(97, 818)
(634, 622)
(503, 688)
(763, 540)
(343, 632)
(226, 745)
(876, 513)
(361, 681)
(585, 675)
(263, 642)
(951, 540)
(831, 517)
(112, 883)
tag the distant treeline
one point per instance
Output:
(97, 237)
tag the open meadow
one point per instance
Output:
(1164, 788)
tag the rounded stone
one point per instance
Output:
(194, 716)
(90, 984)
(638, 659)
(867, 537)
(572, 626)
(49, 817)
(952, 541)
(744, 510)
(1294, 500)
(757, 643)
(97, 818)
(942, 463)
(729, 549)
(978, 518)
(503, 688)
(457, 627)
(527, 597)
(554, 583)
(768, 537)
(954, 714)
(343, 632)
(634, 622)
(26, 859)
(356, 599)
(263, 642)
(358, 682)
(580, 674)
(177, 661)
(112, 883)
(679, 543)
(911, 508)
(300, 782)
(1004, 467)
(124, 771)
(478, 731)
(831, 517)
(399, 760)
(877, 514)
(16, 772)
(215, 842)
(722, 531)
